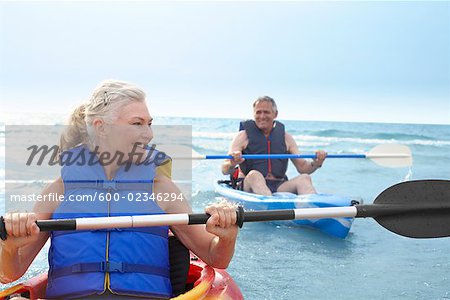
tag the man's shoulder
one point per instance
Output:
(288, 135)
(241, 139)
(289, 139)
(242, 135)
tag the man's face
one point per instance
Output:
(264, 115)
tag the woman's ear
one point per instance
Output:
(99, 127)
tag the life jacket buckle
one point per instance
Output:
(76, 268)
(109, 184)
(112, 266)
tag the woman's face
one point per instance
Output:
(130, 131)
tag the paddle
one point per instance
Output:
(386, 155)
(416, 209)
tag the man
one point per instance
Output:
(264, 135)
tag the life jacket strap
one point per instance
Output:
(158, 231)
(110, 267)
(108, 184)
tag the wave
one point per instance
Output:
(33, 118)
(330, 140)
(401, 136)
(214, 135)
(369, 135)
(325, 140)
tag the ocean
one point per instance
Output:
(278, 262)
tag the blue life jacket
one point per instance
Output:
(131, 261)
(258, 143)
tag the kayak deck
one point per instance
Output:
(205, 281)
(338, 227)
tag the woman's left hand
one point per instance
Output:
(222, 222)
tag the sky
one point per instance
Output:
(327, 61)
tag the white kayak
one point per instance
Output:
(338, 227)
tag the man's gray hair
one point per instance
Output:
(266, 99)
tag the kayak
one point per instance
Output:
(205, 282)
(338, 227)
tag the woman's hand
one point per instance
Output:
(21, 229)
(222, 222)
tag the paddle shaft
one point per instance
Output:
(191, 219)
(288, 156)
(282, 156)
(417, 209)
(386, 155)
(358, 211)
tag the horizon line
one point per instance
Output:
(235, 118)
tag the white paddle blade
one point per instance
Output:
(197, 156)
(391, 155)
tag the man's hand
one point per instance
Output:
(320, 157)
(237, 158)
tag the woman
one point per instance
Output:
(130, 262)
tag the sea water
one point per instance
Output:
(278, 262)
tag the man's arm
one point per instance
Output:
(239, 143)
(303, 166)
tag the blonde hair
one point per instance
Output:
(105, 103)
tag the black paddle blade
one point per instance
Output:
(416, 209)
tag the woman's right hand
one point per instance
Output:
(21, 230)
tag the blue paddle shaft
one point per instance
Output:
(285, 156)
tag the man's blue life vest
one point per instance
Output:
(131, 261)
(258, 143)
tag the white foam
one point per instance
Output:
(312, 140)
(300, 138)
(214, 135)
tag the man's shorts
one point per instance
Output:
(273, 185)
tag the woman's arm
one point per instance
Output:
(24, 237)
(214, 242)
